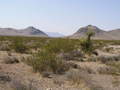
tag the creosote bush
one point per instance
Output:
(60, 45)
(45, 61)
(19, 46)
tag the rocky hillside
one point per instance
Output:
(29, 31)
(99, 33)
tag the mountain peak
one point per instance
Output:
(34, 31)
(91, 27)
(31, 27)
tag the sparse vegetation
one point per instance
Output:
(78, 60)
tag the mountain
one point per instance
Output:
(55, 34)
(115, 33)
(99, 33)
(29, 31)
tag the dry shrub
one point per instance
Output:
(116, 66)
(107, 70)
(19, 85)
(19, 46)
(112, 67)
(73, 55)
(105, 59)
(4, 47)
(77, 76)
(4, 77)
(11, 60)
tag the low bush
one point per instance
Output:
(105, 59)
(60, 45)
(45, 61)
(19, 85)
(76, 76)
(107, 70)
(73, 55)
(115, 65)
(19, 46)
(4, 47)
(11, 60)
(4, 78)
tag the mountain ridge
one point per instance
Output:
(29, 31)
(99, 33)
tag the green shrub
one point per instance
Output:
(19, 46)
(45, 61)
(60, 45)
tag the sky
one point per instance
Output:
(63, 16)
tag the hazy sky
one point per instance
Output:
(64, 16)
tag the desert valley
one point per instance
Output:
(87, 60)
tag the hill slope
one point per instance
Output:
(99, 33)
(29, 31)
(115, 33)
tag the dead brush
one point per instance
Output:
(10, 60)
(19, 85)
(76, 76)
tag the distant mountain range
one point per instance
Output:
(32, 31)
(29, 31)
(54, 34)
(99, 33)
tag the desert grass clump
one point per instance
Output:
(44, 61)
(74, 77)
(79, 78)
